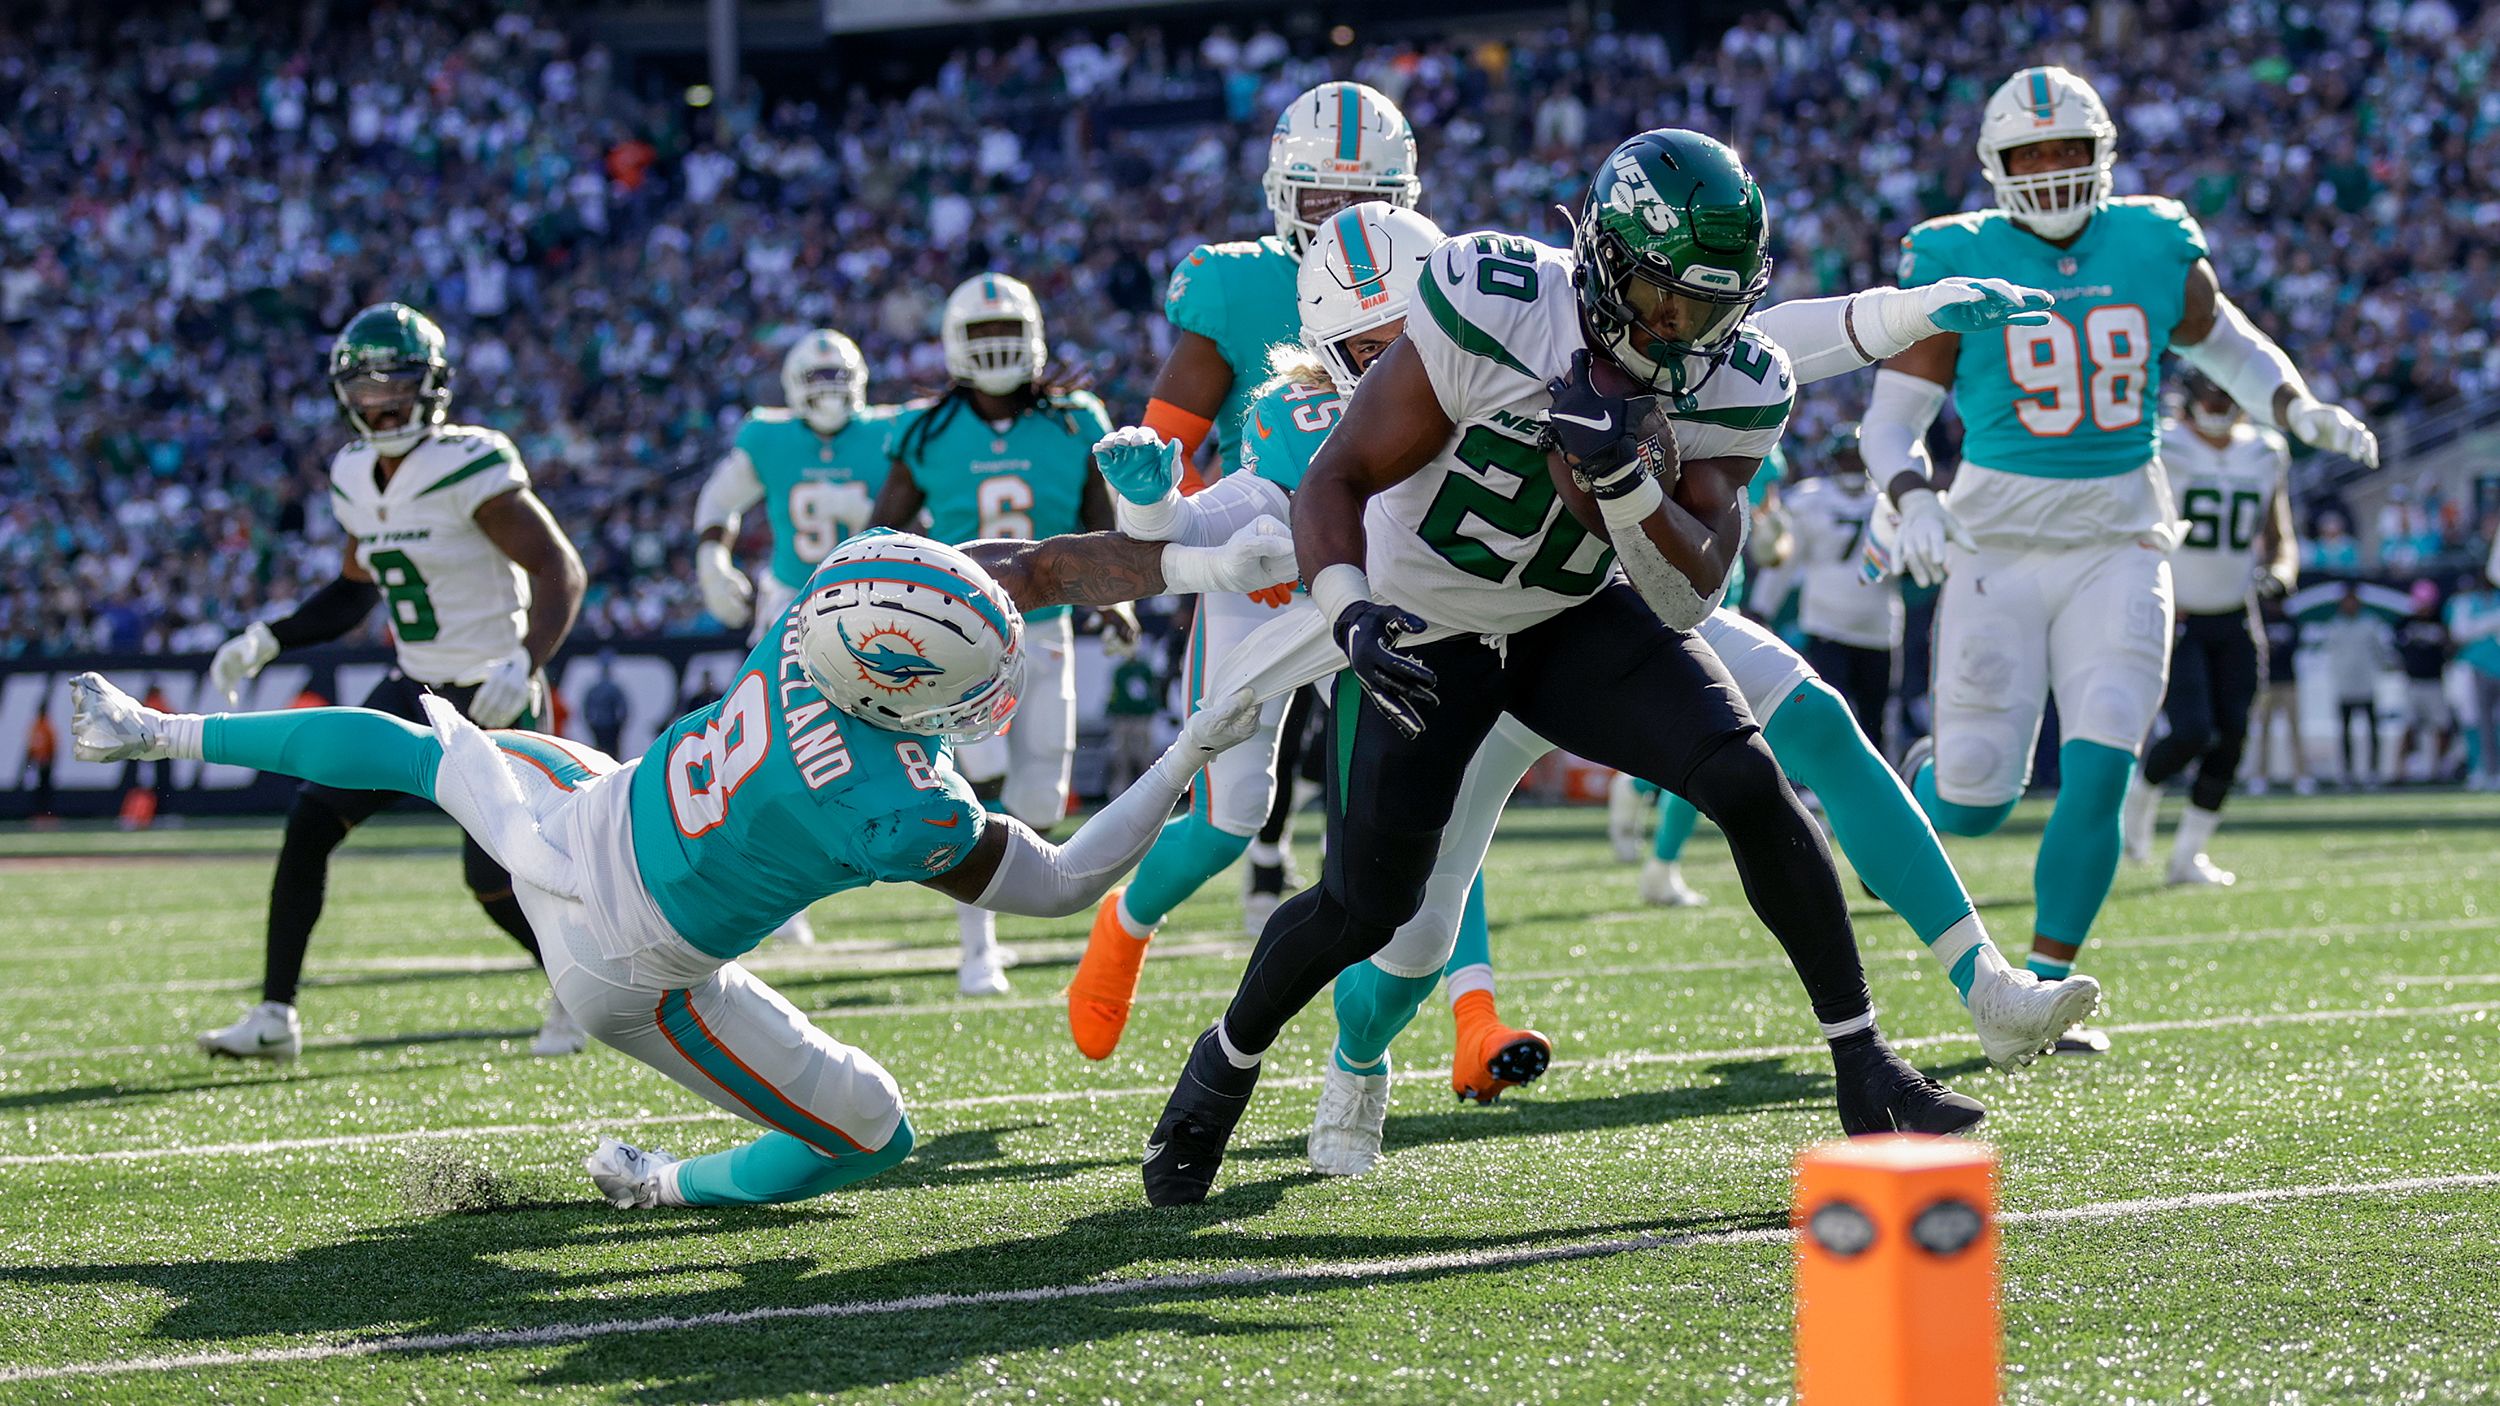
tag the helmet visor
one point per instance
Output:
(1678, 319)
(378, 402)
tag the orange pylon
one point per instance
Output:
(1897, 1273)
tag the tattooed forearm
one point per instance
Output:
(1093, 568)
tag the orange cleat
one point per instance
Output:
(1491, 1056)
(1106, 981)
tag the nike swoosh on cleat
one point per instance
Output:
(1155, 1149)
(1606, 423)
(273, 1039)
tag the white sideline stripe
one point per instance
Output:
(843, 1015)
(1599, 1064)
(1326, 1272)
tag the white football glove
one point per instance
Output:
(504, 694)
(727, 592)
(1217, 727)
(1258, 555)
(2333, 429)
(241, 658)
(1928, 527)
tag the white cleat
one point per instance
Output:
(2019, 1016)
(1663, 886)
(2196, 871)
(270, 1030)
(108, 725)
(560, 1035)
(1353, 1114)
(2138, 821)
(1627, 814)
(985, 975)
(630, 1178)
(798, 930)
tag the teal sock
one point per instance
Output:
(1816, 740)
(2079, 848)
(1475, 935)
(354, 749)
(1953, 817)
(1676, 819)
(1188, 852)
(778, 1167)
(1372, 1007)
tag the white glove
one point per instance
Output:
(474, 785)
(1259, 555)
(504, 694)
(1928, 527)
(727, 592)
(241, 658)
(1217, 727)
(2333, 429)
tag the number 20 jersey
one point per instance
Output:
(1477, 542)
(455, 602)
(2224, 495)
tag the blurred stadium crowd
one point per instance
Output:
(189, 212)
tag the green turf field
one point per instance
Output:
(2282, 1188)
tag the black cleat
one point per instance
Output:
(1881, 1093)
(1187, 1145)
(1268, 879)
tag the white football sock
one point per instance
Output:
(2196, 830)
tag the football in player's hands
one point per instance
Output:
(1654, 446)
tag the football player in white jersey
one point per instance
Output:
(1852, 624)
(2054, 550)
(1456, 590)
(2236, 543)
(479, 587)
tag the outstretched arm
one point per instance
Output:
(1826, 337)
(2215, 337)
(1013, 870)
(1108, 568)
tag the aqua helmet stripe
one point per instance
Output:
(2040, 104)
(1349, 123)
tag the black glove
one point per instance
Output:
(1399, 685)
(1592, 431)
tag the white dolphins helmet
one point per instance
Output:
(999, 364)
(913, 636)
(824, 380)
(2041, 105)
(1337, 137)
(1358, 275)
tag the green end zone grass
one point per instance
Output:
(2281, 1188)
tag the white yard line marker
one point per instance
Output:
(1045, 1097)
(838, 1016)
(1324, 1273)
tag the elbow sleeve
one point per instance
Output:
(327, 613)
(2244, 361)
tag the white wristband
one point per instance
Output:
(1151, 523)
(1628, 512)
(1337, 586)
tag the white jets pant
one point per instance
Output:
(2090, 624)
(1766, 670)
(1037, 754)
(634, 984)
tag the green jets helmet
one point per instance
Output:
(1673, 251)
(390, 357)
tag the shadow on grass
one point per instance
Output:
(540, 1264)
(131, 1091)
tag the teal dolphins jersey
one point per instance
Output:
(1025, 481)
(1241, 297)
(2079, 396)
(817, 488)
(749, 810)
(1284, 427)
